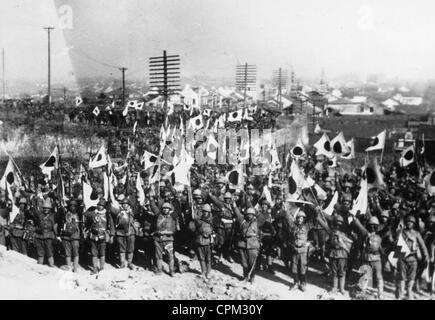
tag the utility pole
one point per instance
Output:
(165, 75)
(123, 85)
(280, 78)
(49, 64)
(64, 95)
(246, 79)
(3, 76)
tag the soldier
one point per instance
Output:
(166, 226)
(45, 233)
(248, 243)
(100, 227)
(17, 229)
(204, 230)
(372, 250)
(407, 266)
(298, 243)
(125, 234)
(339, 250)
(267, 235)
(225, 226)
(70, 235)
(429, 238)
(3, 226)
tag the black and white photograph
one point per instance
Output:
(204, 150)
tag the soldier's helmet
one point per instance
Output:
(373, 221)
(301, 214)
(197, 193)
(206, 208)
(47, 205)
(221, 180)
(385, 214)
(167, 205)
(339, 220)
(228, 195)
(250, 211)
(410, 218)
(347, 198)
(23, 201)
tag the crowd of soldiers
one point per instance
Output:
(217, 222)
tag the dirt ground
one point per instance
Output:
(21, 278)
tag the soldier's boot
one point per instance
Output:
(94, 265)
(245, 275)
(269, 265)
(203, 269)
(40, 260)
(400, 289)
(342, 281)
(208, 273)
(303, 283)
(75, 264)
(417, 287)
(68, 262)
(295, 284)
(122, 259)
(380, 289)
(130, 261)
(171, 268)
(410, 294)
(51, 262)
(334, 284)
(102, 262)
(159, 266)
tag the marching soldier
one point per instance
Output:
(407, 266)
(17, 229)
(340, 246)
(299, 249)
(166, 226)
(372, 250)
(70, 235)
(248, 243)
(45, 233)
(267, 235)
(125, 234)
(225, 226)
(204, 230)
(100, 230)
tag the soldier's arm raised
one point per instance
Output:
(422, 246)
(237, 213)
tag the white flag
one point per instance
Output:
(361, 202)
(100, 159)
(378, 142)
(90, 199)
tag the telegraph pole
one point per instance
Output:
(49, 64)
(280, 78)
(123, 85)
(3, 75)
(246, 79)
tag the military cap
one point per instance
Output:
(410, 218)
(431, 219)
(23, 201)
(301, 214)
(197, 193)
(373, 220)
(347, 197)
(167, 205)
(385, 213)
(228, 195)
(206, 207)
(339, 220)
(221, 180)
(250, 211)
(47, 204)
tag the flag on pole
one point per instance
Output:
(139, 106)
(235, 116)
(407, 157)
(298, 150)
(100, 158)
(15, 210)
(378, 142)
(10, 175)
(52, 163)
(361, 202)
(401, 250)
(339, 146)
(323, 146)
(90, 198)
(79, 101)
(330, 208)
(351, 154)
(96, 111)
(196, 123)
(139, 188)
(373, 175)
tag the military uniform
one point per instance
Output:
(298, 244)
(17, 231)
(3, 226)
(166, 225)
(267, 235)
(125, 235)
(204, 230)
(45, 233)
(70, 235)
(248, 242)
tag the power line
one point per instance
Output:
(81, 52)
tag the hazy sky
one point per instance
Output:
(393, 37)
